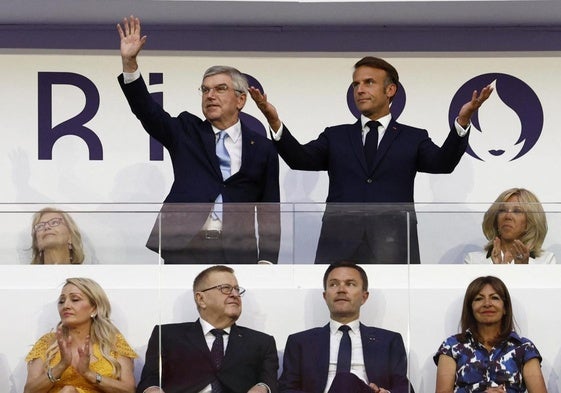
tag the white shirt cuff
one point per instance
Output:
(277, 135)
(129, 77)
(460, 130)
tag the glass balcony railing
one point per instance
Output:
(287, 233)
(422, 302)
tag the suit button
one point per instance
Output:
(369, 180)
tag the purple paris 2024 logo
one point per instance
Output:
(508, 125)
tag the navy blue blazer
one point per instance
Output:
(190, 142)
(389, 184)
(306, 360)
(402, 152)
(250, 358)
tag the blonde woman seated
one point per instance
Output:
(56, 238)
(488, 356)
(87, 354)
(515, 226)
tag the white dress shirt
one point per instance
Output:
(233, 145)
(384, 121)
(357, 358)
(480, 257)
(209, 338)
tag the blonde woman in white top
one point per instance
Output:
(515, 227)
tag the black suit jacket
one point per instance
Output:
(190, 142)
(250, 358)
(402, 152)
(306, 360)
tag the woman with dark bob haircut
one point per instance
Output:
(515, 227)
(488, 356)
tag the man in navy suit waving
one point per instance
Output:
(344, 355)
(371, 165)
(224, 171)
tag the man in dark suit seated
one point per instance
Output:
(224, 172)
(345, 356)
(372, 165)
(212, 354)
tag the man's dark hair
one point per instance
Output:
(381, 64)
(349, 264)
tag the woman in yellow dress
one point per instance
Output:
(87, 354)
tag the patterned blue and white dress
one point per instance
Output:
(478, 369)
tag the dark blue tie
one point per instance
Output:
(371, 143)
(344, 355)
(216, 356)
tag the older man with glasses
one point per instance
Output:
(212, 354)
(216, 160)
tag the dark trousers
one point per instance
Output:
(210, 248)
(369, 238)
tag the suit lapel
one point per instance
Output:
(323, 361)
(357, 145)
(248, 148)
(196, 336)
(369, 344)
(209, 145)
(389, 136)
(236, 340)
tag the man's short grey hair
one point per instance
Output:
(238, 79)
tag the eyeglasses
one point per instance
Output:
(218, 89)
(53, 222)
(226, 289)
(514, 210)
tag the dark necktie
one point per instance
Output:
(344, 355)
(371, 143)
(216, 356)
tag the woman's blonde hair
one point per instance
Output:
(102, 330)
(77, 250)
(536, 222)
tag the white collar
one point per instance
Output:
(384, 120)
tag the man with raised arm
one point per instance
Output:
(224, 172)
(372, 165)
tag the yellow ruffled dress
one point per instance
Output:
(70, 376)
